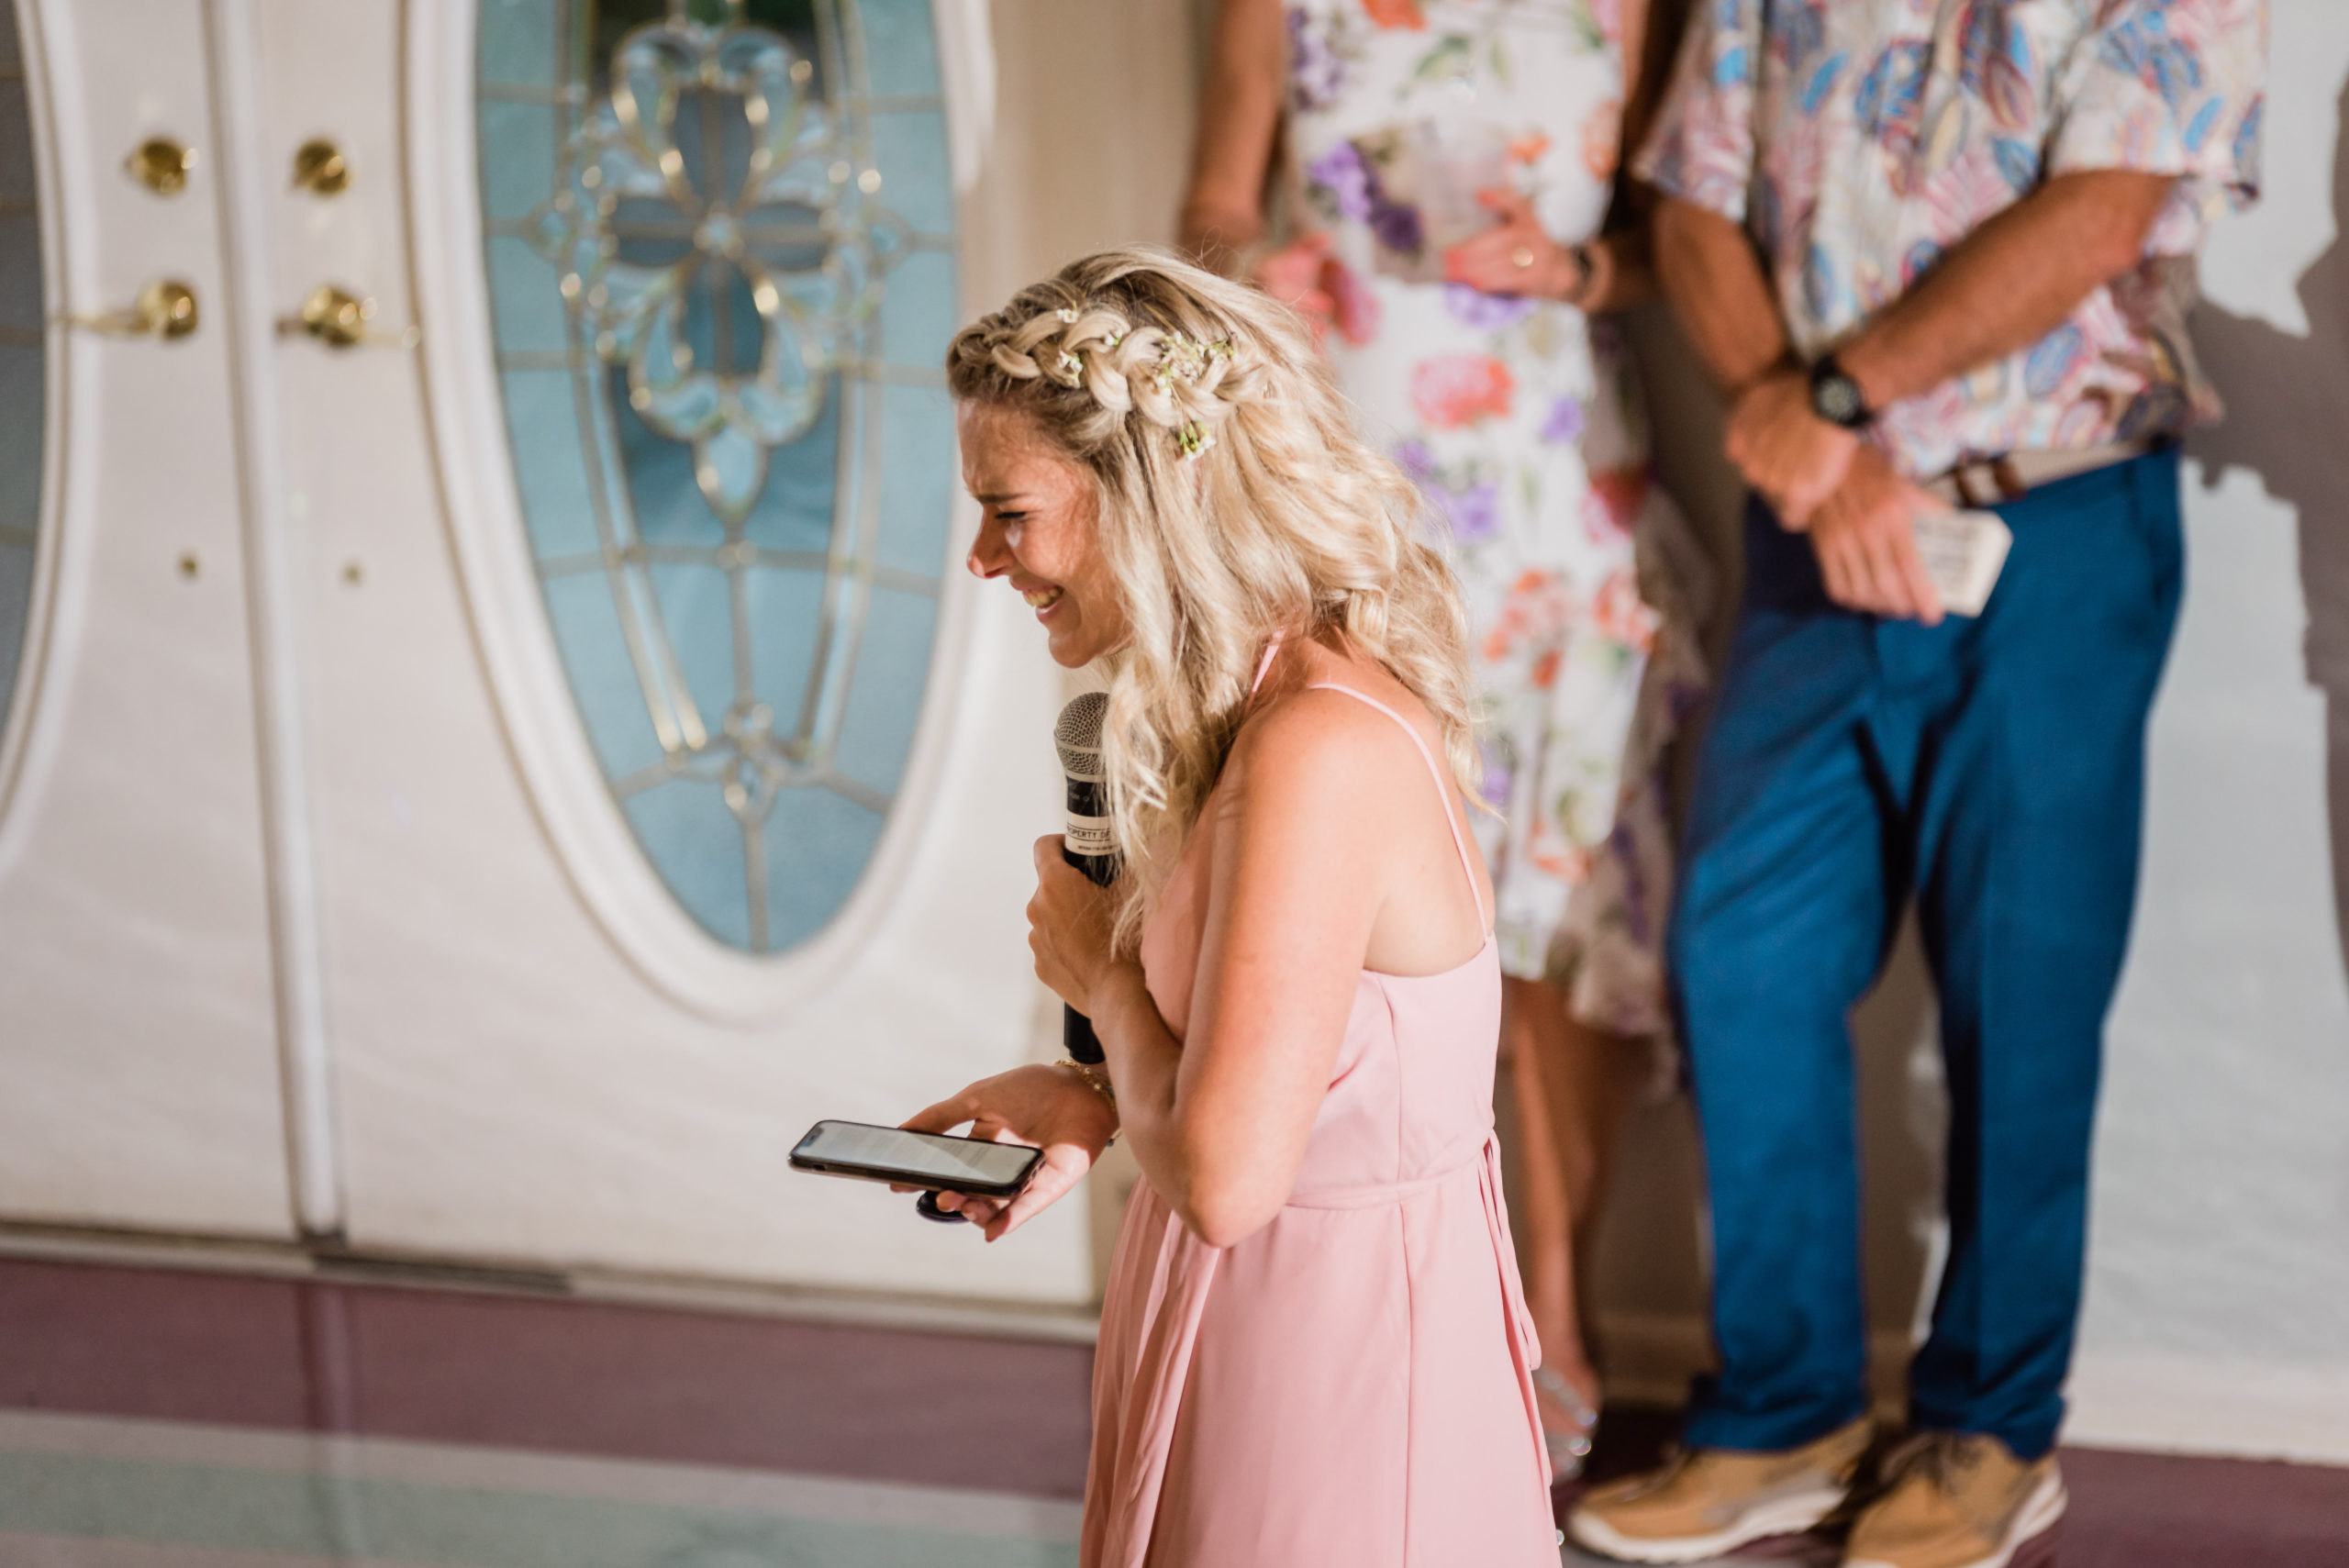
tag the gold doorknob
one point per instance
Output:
(164, 308)
(320, 168)
(161, 164)
(338, 319)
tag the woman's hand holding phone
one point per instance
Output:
(1050, 1108)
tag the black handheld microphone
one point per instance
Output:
(1078, 736)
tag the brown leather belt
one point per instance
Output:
(1986, 482)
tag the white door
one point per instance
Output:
(139, 1021)
(661, 786)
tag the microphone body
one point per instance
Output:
(1089, 845)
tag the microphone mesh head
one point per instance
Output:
(1078, 735)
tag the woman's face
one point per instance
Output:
(1037, 513)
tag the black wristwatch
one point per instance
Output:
(1836, 397)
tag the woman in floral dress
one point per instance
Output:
(1445, 167)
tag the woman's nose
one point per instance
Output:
(990, 552)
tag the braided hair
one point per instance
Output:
(1238, 503)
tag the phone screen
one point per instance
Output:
(921, 1158)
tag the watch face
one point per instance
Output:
(1836, 397)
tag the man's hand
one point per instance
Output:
(1785, 450)
(1866, 542)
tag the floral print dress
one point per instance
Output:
(1520, 420)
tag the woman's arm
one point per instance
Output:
(1240, 112)
(1616, 270)
(1218, 1120)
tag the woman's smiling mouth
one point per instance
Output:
(1041, 599)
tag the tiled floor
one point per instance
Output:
(166, 1419)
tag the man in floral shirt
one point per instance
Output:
(1938, 254)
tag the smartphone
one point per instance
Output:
(928, 1160)
(1963, 552)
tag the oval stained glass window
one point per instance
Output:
(23, 359)
(719, 241)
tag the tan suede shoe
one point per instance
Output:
(1956, 1500)
(1708, 1501)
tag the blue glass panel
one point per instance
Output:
(811, 868)
(708, 478)
(595, 649)
(519, 44)
(794, 511)
(917, 183)
(23, 366)
(892, 663)
(16, 592)
(699, 620)
(786, 614)
(918, 321)
(900, 48)
(700, 855)
(21, 395)
(660, 485)
(526, 285)
(16, 146)
(519, 139)
(915, 496)
(550, 467)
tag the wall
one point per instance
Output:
(2221, 1268)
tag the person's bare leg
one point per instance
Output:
(1574, 1086)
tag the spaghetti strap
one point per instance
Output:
(1444, 795)
(1264, 665)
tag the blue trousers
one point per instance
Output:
(1994, 768)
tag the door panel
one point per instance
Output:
(524, 1070)
(136, 1004)
(336, 771)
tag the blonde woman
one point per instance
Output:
(1313, 1347)
(1448, 166)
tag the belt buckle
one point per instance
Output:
(1976, 478)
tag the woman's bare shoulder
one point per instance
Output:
(1310, 739)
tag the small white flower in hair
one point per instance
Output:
(1185, 358)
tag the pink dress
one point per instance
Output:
(1350, 1384)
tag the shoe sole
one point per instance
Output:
(2038, 1517)
(1786, 1515)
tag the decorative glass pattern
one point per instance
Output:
(719, 246)
(23, 359)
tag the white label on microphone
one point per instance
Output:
(1089, 835)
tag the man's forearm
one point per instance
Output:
(1713, 277)
(2007, 285)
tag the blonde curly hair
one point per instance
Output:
(1237, 504)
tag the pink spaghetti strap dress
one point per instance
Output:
(1350, 1387)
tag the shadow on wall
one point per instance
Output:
(2287, 410)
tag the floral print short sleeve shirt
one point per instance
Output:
(1860, 140)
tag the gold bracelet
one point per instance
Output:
(1099, 1084)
